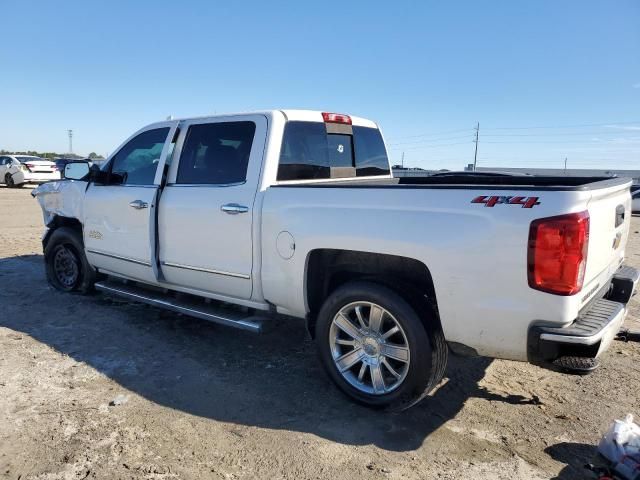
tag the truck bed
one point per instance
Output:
(520, 181)
(473, 253)
(524, 182)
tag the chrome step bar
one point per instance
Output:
(212, 312)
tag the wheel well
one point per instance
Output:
(328, 269)
(60, 221)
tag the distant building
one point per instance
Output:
(399, 171)
(569, 172)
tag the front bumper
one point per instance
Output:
(592, 332)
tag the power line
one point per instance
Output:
(470, 130)
(475, 155)
(609, 124)
(542, 142)
(552, 156)
(567, 134)
(418, 142)
(436, 133)
(429, 146)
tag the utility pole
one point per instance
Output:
(475, 155)
(70, 132)
(402, 159)
(565, 165)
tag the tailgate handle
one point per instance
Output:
(619, 215)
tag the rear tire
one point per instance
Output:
(371, 365)
(8, 181)
(66, 265)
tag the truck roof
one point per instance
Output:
(290, 114)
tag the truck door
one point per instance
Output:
(205, 215)
(119, 214)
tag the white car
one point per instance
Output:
(297, 213)
(635, 201)
(16, 170)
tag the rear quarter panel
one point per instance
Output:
(477, 255)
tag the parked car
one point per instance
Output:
(297, 213)
(16, 170)
(635, 201)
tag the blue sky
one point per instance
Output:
(425, 71)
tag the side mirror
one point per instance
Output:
(76, 170)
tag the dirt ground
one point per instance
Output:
(92, 387)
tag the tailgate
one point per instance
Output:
(609, 223)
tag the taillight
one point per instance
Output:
(336, 118)
(557, 256)
(30, 166)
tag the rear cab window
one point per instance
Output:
(316, 150)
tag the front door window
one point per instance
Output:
(136, 163)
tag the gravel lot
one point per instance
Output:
(92, 387)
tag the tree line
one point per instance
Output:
(52, 155)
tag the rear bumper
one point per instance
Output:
(592, 332)
(37, 177)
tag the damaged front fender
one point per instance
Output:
(63, 198)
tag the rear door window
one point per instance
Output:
(309, 152)
(216, 153)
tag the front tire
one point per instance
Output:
(375, 347)
(67, 267)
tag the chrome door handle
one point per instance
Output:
(138, 204)
(234, 208)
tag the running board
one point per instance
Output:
(212, 312)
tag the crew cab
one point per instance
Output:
(238, 218)
(16, 170)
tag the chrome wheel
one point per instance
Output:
(66, 267)
(369, 348)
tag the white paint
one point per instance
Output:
(477, 255)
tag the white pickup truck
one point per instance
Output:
(237, 218)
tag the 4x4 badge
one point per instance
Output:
(491, 201)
